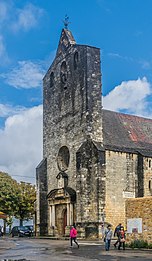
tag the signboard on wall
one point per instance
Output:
(128, 194)
(134, 225)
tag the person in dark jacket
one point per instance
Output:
(116, 233)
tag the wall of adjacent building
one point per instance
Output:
(121, 183)
(140, 208)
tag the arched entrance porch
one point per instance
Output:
(61, 211)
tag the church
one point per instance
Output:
(93, 159)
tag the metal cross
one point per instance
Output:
(66, 22)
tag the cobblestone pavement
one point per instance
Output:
(30, 249)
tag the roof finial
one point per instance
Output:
(66, 22)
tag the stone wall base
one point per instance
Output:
(89, 230)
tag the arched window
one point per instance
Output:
(76, 58)
(51, 79)
(149, 184)
(63, 73)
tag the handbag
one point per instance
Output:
(122, 240)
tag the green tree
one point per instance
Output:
(8, 194)
(26, 198)
(16, 199)
(8, 197)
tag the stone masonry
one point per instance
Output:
(140, 208)
(93, 159)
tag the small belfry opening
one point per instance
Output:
(63, 74)
(52, 79)
(76, 58)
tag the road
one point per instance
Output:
(31, 249)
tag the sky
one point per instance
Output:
(29, 36)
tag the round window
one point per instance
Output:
(63, 158)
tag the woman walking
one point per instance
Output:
(122, 238)
(73, 236)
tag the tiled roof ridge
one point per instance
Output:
(127, 115)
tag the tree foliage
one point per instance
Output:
(16, 199)
(26, 198)
(8, 194)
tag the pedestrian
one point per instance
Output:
(73, 236)
(116, 233)
(107, 238)
(2, 230)
(122, 238)
(102, 230)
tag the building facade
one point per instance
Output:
(93, 159)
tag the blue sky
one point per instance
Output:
(29, 35)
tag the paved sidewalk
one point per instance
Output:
(5, 244)
(55, 250)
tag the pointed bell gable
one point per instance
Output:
(66, 40)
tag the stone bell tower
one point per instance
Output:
(72, 139)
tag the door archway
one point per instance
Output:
(64, 220)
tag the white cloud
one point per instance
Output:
(8, 110)
(116, 55)
(17, 19)
(3, 11)
(13, 19)
(132, 96)
(145, 64)
(21, 144)
(27, 17)
(26, 75)
(3, 53)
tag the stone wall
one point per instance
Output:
(72, 106)
(90, 187)
(72, 110)
(140, 208)
(121, 183)
(73, 143)
(147, 176)
(41, 204)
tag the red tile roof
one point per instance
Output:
(127, 131)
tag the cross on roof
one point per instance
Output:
(66, 21)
